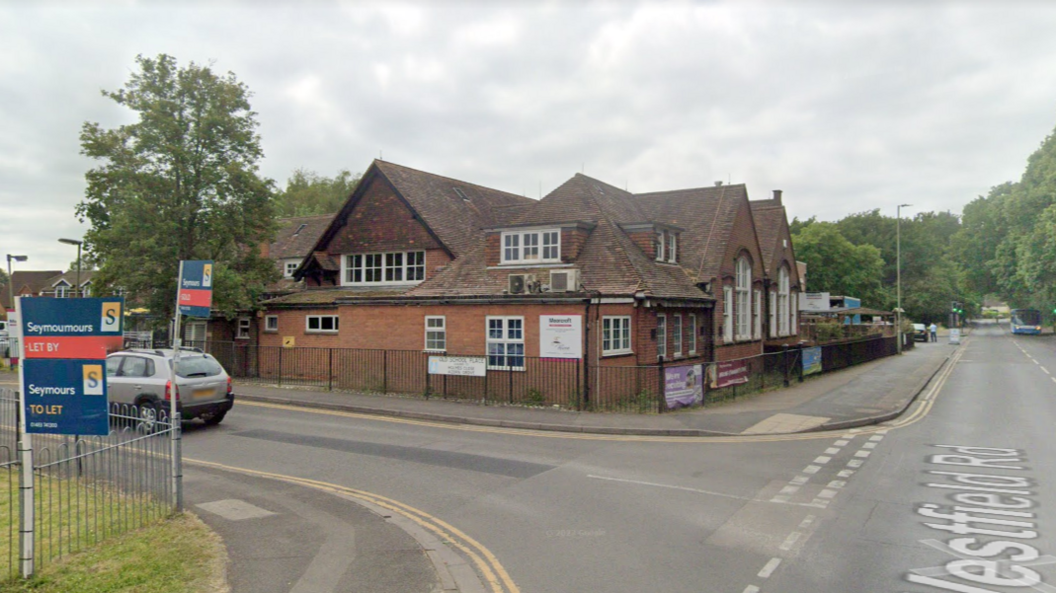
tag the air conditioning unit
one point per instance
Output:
(564, 280)
(517, 284)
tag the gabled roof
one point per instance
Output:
(769, 221)
(70, 278)
(297, 236)
(33, 281)
(583, 198)
(707, 214)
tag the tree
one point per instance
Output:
(837, 266)
(308, 193)
(180, 183)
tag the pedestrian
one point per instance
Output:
(934, 332)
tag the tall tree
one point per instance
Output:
(180, 183)
(307, 193)
(837, 266)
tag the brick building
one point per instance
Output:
(421, 262)
(783, 279)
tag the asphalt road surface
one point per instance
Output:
(957, 495)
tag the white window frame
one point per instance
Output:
(773, 314)
(242, 327)
(692, 334)
(510, 333)
(197, 332)
(672, 247)
(289, 267)
(535, 246)
(436, 335)
(676, 336)
(380, 263)
(615, 335)
(782, 301)
(757, 314)
(727, 314)
(271, 324)
(743, 307)
(62, 290)
(86, 289)
(661, 245)
(661, 336)
(794, 312)
(308, 329)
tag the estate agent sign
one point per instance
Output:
(64, 348)
(196, 287)
(561, 336)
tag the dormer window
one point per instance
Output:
(666, 246)
(401, 267)
(531, 247)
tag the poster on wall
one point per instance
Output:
(812, 360)
(683, 386)
(561, 336)
(731, 372)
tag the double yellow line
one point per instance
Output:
(486, 563)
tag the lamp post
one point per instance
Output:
(77, 288)
(10, 281)
(898, 274)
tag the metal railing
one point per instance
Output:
(84, 489)
(565, 383)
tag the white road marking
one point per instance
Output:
(781, 498)
(791, 540)
(1046, 371)
(769, 568)
(823, 459)
(811, 469)
(863, 454)
(837, 484)
(869, 445)
(751, 589)
(841, 442)
(827, 493)
(790, 490)
(876, 438)
(832, 450)
(807, 521)
(846, 473)
(855, 463)
(670, 486)
(799, 480)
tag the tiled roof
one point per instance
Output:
(769, 221)
(297, 236)
(454, 210)
(70, 278)
(33, 281)
(707, 214)
(331, 296)
(583, 198)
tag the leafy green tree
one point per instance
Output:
(307, 193)
(974, 246)
(179, 183)
(837, 266)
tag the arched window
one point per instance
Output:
(783, 304)
(744, 298)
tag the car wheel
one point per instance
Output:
(214, 418)
(149, 414)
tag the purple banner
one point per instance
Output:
(683, 386)
(733, 372)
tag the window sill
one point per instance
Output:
(321, 331)
(616, 353)
(271, 331)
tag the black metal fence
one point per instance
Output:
(565, 383)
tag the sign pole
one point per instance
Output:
(174, 440)
(25, 457)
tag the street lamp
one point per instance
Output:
(898, 273)
(11, 281)
(77, 288)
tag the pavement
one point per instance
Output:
(284, 537)
(865, 394)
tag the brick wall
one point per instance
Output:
(381, 221)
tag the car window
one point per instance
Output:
(136, 366)
(198, 366)
(113, 363)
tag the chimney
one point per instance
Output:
(718, 183)
(777, 196)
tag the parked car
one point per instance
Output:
(920, 332)
(144, 378)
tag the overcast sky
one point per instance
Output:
(846, 106)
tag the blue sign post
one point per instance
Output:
(64, 348)
(196, 287)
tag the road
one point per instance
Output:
(863, 510)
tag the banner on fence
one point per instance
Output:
(63, 382)
(560, 336)
(732, 372)
(812, 360)
(465, 366)
(683, 386)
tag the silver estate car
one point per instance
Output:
(143, 378)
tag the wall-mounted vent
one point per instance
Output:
(564, 280)
(516, 284)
